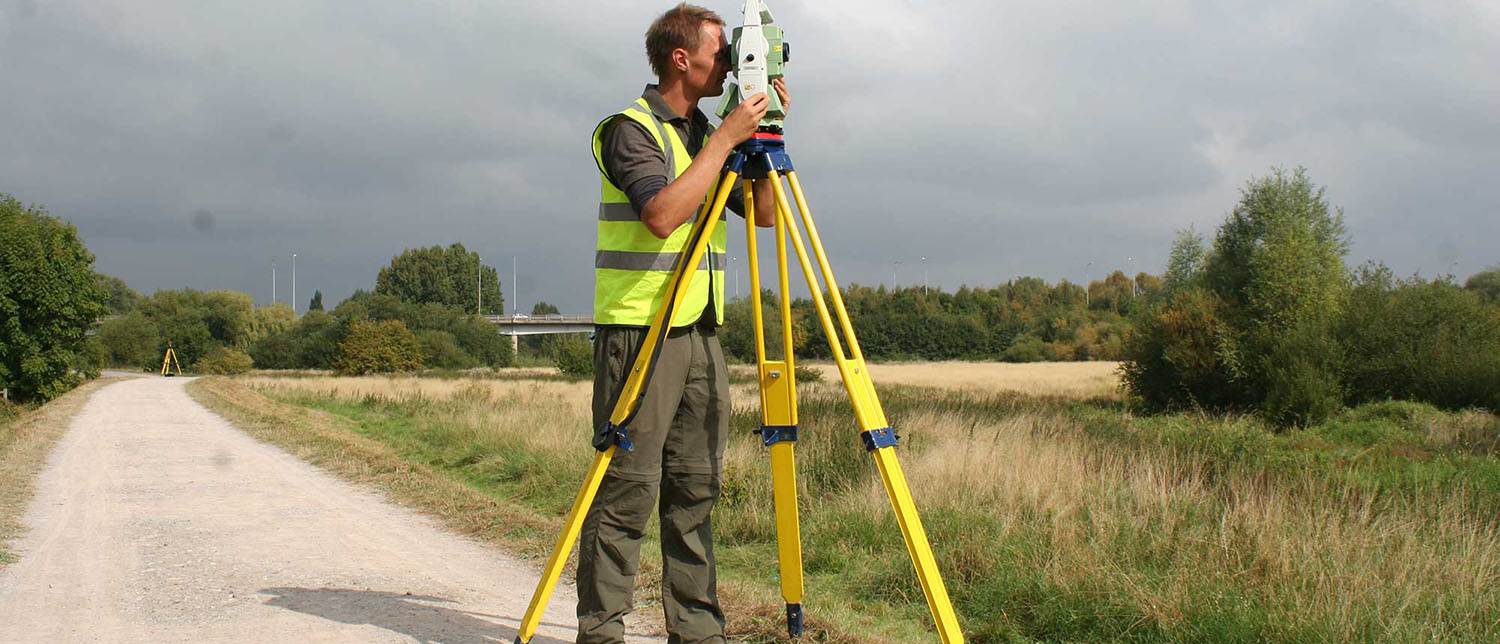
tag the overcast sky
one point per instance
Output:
(192, 142)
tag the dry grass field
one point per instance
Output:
(1072, 379)
(1057, 515)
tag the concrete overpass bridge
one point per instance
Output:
(516, 326)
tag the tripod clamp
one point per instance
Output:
(759, 155)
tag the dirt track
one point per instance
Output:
(156, 521)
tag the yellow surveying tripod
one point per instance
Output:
(764, 157)
(169, 360)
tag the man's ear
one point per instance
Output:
(680, 59)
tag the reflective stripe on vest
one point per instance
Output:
(632, 266)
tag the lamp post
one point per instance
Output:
(894, 266)
(273, 280)
(736, 262)
(479, 286)
(515, 295)
(294, 285)
(924, 276)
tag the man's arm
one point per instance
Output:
(679, 200)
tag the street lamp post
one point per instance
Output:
(515, 295)
(479, 286)
(273, 280)
(894, 266)
(924, 276)
(736, 262)
(294, 284)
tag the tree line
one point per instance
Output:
(1266, 318)
(1024, 320)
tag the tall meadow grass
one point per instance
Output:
(1055, 516)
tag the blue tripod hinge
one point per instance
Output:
(758, 158)
(878, 438)
(773, 434)
(620, 436)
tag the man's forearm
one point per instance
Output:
(765, 203)
(680, 200)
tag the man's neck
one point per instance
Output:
(677, 97)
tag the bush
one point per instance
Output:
(440, 350)
(1419, 340)
(1026, 348)
(1303, 371)
(225, 362)
(130, 341)
(1175, 355)
(574, 356)
(378, 347)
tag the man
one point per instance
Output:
(660, 159)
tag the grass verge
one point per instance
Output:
(1054, 518)
(27, 435)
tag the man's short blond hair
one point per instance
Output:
(680, 27)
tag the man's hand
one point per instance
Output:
(739, 124)
(786, 99)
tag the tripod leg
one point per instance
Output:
(878, 436)
(778, 408)
(625, 404)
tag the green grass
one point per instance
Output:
(1057, 519)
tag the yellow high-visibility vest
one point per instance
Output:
(631, 265)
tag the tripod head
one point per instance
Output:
(757, 54)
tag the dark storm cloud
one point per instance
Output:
(995, 139)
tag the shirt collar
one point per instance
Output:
(664, 112)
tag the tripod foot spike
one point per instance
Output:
(794, 620)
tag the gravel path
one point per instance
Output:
(157, 521)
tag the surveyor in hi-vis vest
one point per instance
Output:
(658, 160)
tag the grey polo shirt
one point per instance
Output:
(635, 164)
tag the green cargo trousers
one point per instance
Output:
(679, 434)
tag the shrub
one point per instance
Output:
(807, 374)
(1303, 375)
(440, 350)
(1174, 355)
(378, 347)
(130, 341)
(1026, 348)
(574, 356)
(1419, 340)
(225, 361)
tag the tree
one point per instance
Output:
(317, 301)
(130, 341)
(1486, 283)
(1257, 326)
(197, 321)
(49, 297)
(122, 298)
(544, 308)
(441, 275)
(1279, 256)
(378, 347)
(1185, 261)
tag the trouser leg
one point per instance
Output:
(690, 597)
(691, 479)
(609, 548)
(609, 541)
